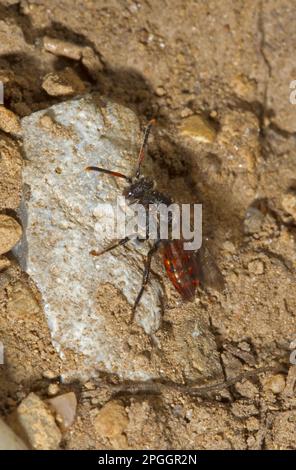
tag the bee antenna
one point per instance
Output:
(144, 145)
(108, 172)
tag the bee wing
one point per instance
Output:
(181, 267)
(210, 274)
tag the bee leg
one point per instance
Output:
(146, 273)
(121, 242)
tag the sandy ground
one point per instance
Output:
(232, 62)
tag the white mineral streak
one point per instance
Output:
(60, 213)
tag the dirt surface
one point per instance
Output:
(232, 63)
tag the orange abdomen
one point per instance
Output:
(181, 267)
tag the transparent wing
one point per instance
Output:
(209, 272)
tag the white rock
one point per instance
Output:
(60, 215)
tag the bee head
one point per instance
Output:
(138, 188)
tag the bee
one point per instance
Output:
(186, 269)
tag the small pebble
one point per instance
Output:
(244, 346)
(46, 121)
(10, 233)
(229, 247)
(53, 389)
(160, 91)
(186, 112)
(63, 83)
(143, 36)
(243, 86)
(252, 424)
(91, 62)
(244, 410)
(49, 374)
(89, 386)
(276, 383)
(198, 128)
(247, 389)
(289, 203)
(213, 114)
(9, 122)
(62, 48)
(95, 401)
(256, 267)
(251, 442)
(253, 220)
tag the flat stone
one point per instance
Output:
(63, 83)
(110, 423)
(8, 439)
(198, 128)
(64, 407)
(61, 212)
(62, 48)
(36, 424)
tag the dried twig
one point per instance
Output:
(157, 387)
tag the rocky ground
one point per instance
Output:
(216, 75)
